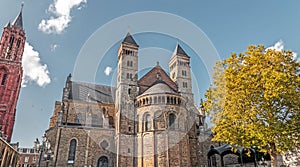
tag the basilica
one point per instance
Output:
(144, 121)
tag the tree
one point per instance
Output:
(255, 101)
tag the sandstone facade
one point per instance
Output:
(151, 121)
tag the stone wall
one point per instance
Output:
(88, 148)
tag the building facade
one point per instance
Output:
(151, 121)
(11, 51)
(29, 157)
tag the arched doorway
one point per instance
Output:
(103, 161)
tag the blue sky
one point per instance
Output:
(229, 25)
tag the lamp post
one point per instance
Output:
(45, 151)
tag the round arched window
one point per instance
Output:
(103, 161)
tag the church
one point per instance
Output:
(11, 52)
(147, 122)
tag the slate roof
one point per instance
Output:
(129, 39)
(18, 22)
(92, 93)
(179, 51)
(156, 73)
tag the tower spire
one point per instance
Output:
(7, 25)
(18, 22)
(179, 51)
(129, 39)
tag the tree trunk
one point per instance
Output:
(273, 155)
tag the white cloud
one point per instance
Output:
(34, 71)
(61, 9)
(107, 70)
(53, 47)
(279, 46)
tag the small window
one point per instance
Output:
(184, 84)
(131, 63)
(72, 151)
(172, 118)
(173, 75)
(147, 122)
(19, 42)
(111, 122)
(4, 79)
(26, 159)
(129, 91)
(104, 144)
(129, 150)
(11, 40)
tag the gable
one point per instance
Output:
(152, 76)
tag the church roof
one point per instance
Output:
(155, 74)
(179, 51)
(18, 22)
(159, 87)
(129, 39)
(92, 93)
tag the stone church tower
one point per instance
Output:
(125, 97)
(180, 72)
(156, 116)
(11, 52)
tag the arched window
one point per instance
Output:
(72, 151)
(147, 122)
(19, 42)
(3, 76)
(111, 122)
(172, 118)
(11, 40)
(129, 91)
(103, 161)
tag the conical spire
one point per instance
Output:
(18, 22)
(129, 39)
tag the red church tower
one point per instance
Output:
(11, 52)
